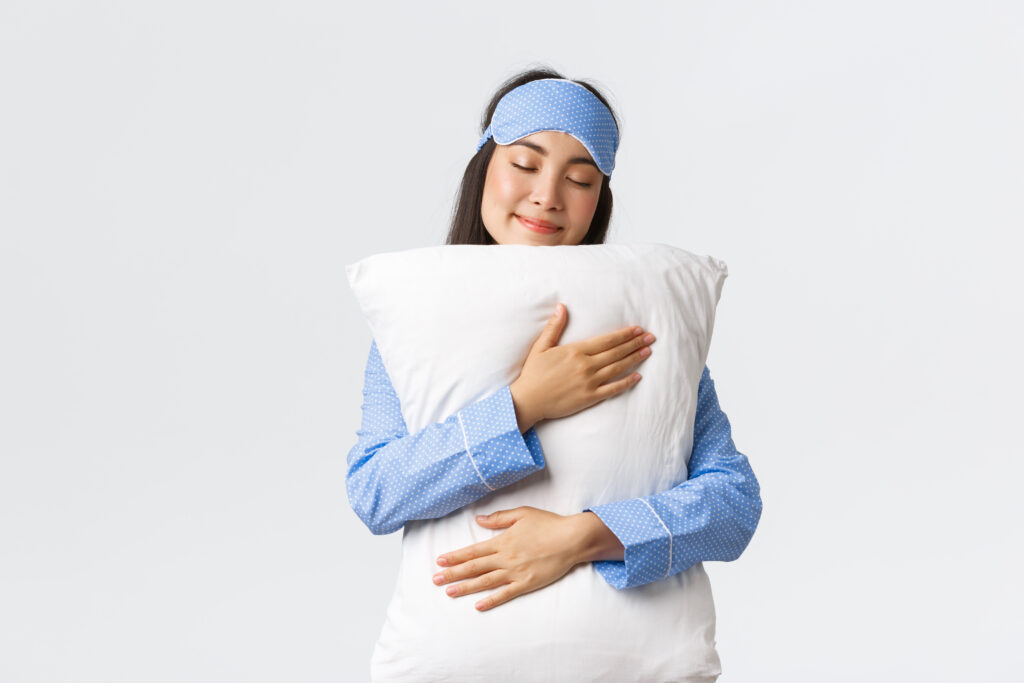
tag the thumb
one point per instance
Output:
(500, 519)
(552, 332)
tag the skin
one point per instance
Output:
(538, 547)
(550, 190)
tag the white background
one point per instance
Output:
(181, 360)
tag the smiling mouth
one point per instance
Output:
(543, 228)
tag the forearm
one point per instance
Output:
(710, 516)
(393, 477)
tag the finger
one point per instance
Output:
(495, 522)
(468, 553)
(491, 579)
(502, 518)
(502, 595)
(628, 363)
(611, 389)
(603, 342)
(469, 569)
(631, 345)
(551, 333)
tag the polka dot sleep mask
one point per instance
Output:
(556, 104)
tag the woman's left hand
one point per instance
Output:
(539, 548)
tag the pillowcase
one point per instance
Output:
(453, 324)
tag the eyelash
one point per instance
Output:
(524, 168)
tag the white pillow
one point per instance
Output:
(454, 323)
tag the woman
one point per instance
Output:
(548, 187)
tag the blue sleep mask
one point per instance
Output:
(556, 104)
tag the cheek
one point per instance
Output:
(585, 206)
(500, 197)
(507, 187)
(504, 185)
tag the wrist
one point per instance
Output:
(596, 540)
(524, 415)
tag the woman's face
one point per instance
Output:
(541, 190)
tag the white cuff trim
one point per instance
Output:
(470, 454)
(669, 568)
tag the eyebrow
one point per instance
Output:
(540, 150)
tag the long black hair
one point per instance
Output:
(467, 224)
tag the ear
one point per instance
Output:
(502, 518)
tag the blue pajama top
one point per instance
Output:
(394, 477)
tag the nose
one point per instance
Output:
(545, 192)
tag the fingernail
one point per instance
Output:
(438, 579)
(649, 338)
(442, 561)
(450, 590)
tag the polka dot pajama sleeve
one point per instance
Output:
(710, 516)
(394, 476)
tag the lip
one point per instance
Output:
(543, 227)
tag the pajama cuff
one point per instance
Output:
(645, 537)
(499, 453)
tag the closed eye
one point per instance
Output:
(525, 168)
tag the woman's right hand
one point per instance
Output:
(557, 381)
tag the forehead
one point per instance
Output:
(556, 141)
(554, 144)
